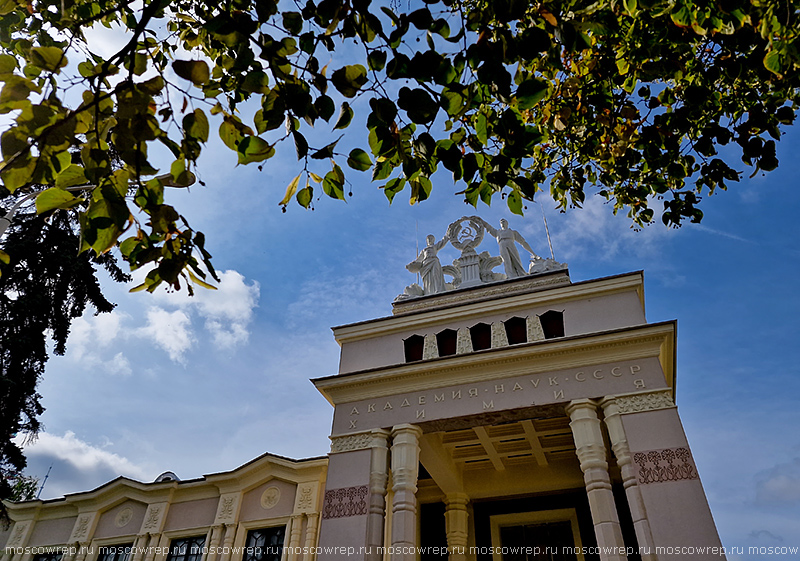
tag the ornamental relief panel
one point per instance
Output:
(227, 509)
(650, 401)
(80, 531)
(17, 536)
(154, 518)
(662, 466)
(344, 502)
(306, 499)
(351, 442)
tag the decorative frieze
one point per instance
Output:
(662, 466)
(351, 442)
(645, 401)
(344, 502)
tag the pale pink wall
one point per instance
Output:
(345, 469)
(107, 528)
(191, 514)
(603, 313)
(52, 532)
(251, 502)
(677, 510)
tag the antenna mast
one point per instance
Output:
(39, 494)
(546, 229)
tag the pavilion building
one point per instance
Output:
(509, 420)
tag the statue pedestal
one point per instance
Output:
(469, 264)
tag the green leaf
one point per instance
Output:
(196, 71)
(359, 160)
(8, 63)
(291, 190)
(530, 92)
(377, 60)
(305, 195)
(333, 184)
(300, 145)
(349, 79)
(772, 62)
(195, 124)
(345, 116)
(229, 134)
(515, 202)
(71, 176)
(393, 186)
(54, 198)
(481, 126)
(326, 152)
(420, 189)
(418, 105)
(254, 149)
(48, 58)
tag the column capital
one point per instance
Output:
(406, 428)
(583, 404)
(456, 499)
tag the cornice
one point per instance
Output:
(653, 340)
(469, 308)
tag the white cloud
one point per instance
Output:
(81, 454)
(169, 330)
(329, 299)
(595, 231)
(781, 485)
(227, 311)
(75, 464)
(91, 332)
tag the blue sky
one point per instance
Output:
(205, 384)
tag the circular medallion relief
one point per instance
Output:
(123, 517)
(270, 497)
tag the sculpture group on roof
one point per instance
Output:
(472, 268)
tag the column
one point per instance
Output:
(378, 478)
(139, 547)
(456, 518)
(295, 536)
(311, 536)
(151, 550)
(591, 452)
(227, 544)
(619, 444)
(405, 469)
(213, 542)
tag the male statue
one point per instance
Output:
(506, 241)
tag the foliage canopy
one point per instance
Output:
(646, 102)
(632, 99)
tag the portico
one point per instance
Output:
(570, 439)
